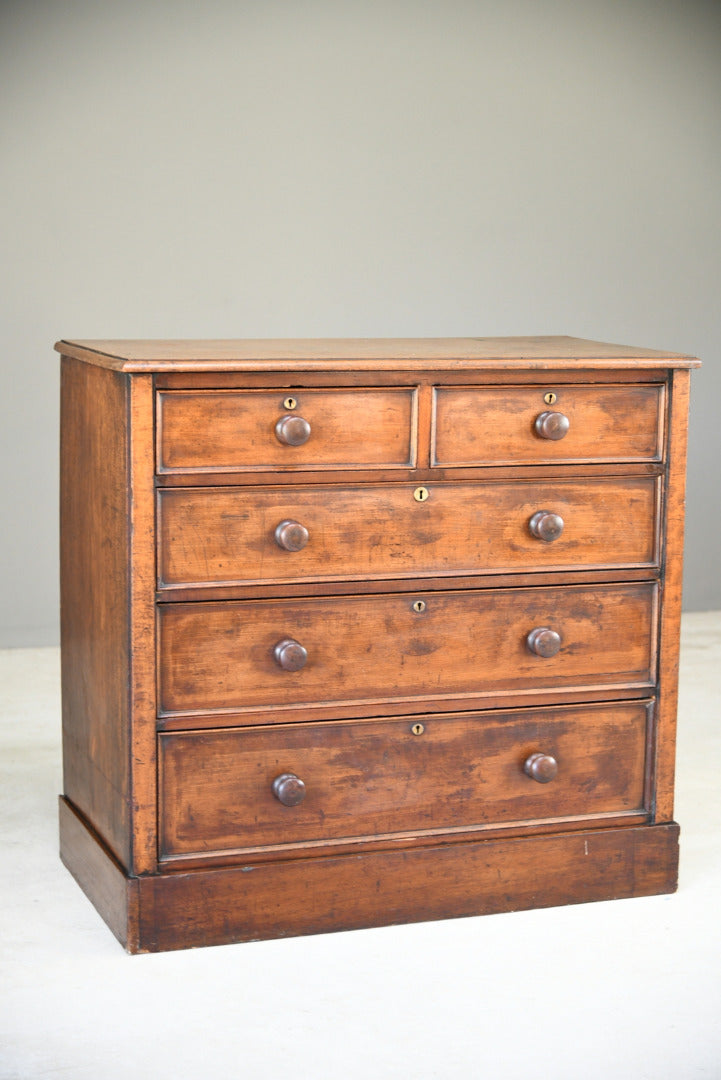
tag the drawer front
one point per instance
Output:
(225, 430)
(212, 536)
(378, 778)
(243, 655)
(504, 425)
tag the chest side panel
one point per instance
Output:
(95, 617)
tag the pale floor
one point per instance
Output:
(629, 989)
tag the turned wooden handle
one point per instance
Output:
(552, 425)
(291, 535)
(544, 642)
(292, 430)
(288, 789)
(541, 767)
(545, 525)
(290, 654)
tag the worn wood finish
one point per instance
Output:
(94, 584)
(293, 572)
(390, 887)
(360, 354)
(228, 535)
(142, 682)
(100, 875)
(414, 476)
(670, 626)
(346, 429)
(107, 607)
(206, 377)
(283, 589)
(498, 425)
(380, 777)
(220, 656)
(381, 888)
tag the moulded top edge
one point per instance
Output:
(365, 354)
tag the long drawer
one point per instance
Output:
(242, 655)
(389, 777)
(213, 536)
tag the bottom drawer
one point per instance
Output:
(397, 777)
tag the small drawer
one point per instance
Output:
(228, 431)
(544, 424)
(278, 655)
(240, 789)
(226, 536)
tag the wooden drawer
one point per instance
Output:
(498, 425)
(227, 431)
(419, 647)
(377, 778)
(214, 536)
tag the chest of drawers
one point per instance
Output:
(366, 632)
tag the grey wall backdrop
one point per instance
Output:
(322, 168)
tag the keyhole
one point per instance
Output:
(418, 729)
(550, 398)
(419, 605)
(421, 494)
(290, 403)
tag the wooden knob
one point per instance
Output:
(289, 789)
(290, 654)
(544, 642)
(546, 525)
(292, 430)
(541, 767)
(291, 536)
(552, 425)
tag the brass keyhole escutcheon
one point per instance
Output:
(418, 729)
(550, 398)
(421, 494)
(290, 403)
(419, 605)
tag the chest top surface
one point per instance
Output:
(366, 354)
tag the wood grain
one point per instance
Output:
(220, 656)
(283, 898)
(107, 607)
(141, 606)
(390, 887)
(94, 612)
(99, 875)
(425, 376)
(379, 777)
(402, 354)
(670, 626)
(225, 536)
(495, 425)
(348, 428)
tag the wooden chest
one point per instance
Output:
(369, 631)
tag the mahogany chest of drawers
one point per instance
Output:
(365, 632)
